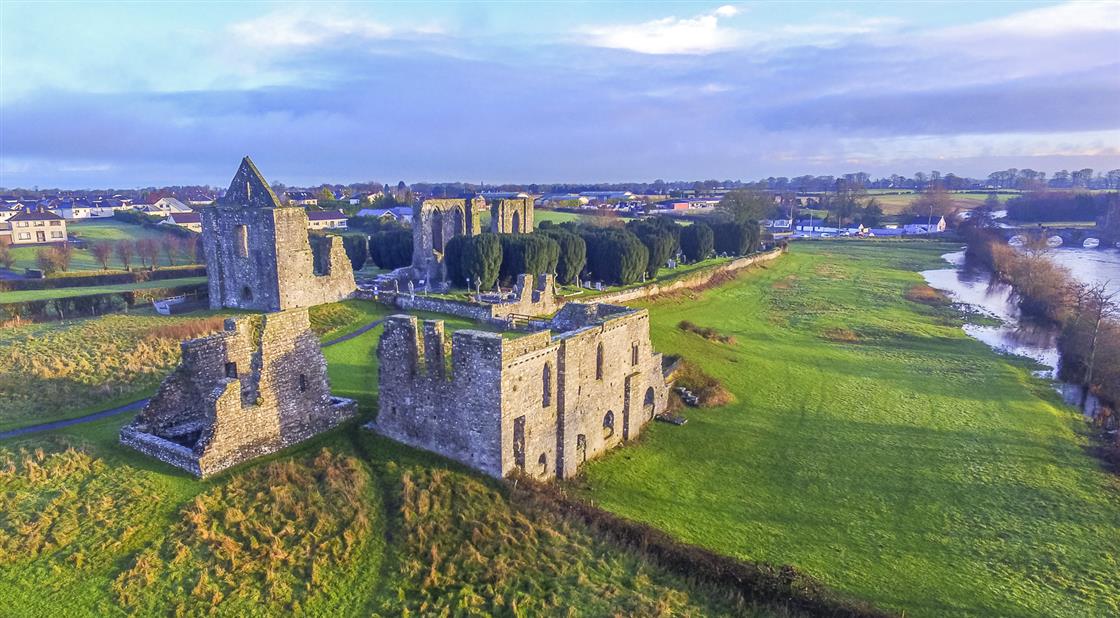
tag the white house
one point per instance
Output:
(163, 207)
(189, 220)
(399, 213)
(922, 224)
(326, 220)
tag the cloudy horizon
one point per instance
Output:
(127, 95)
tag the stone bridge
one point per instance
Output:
(1087, 237)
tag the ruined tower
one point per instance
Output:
(259, 256)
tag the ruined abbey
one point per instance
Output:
(539, 400)
(541, 404)
(436, 221)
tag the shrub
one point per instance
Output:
(357, 249)
(697, 242)
(7, 260)
(50, 260)
(533, 254)
(735, 238)
(615, 256)
(453, 259)
(661, 239)
(482, 260)
(391, 248)
(573, 253)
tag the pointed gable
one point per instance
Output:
(250, 189)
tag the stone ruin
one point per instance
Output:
(436, 221)
(259, 255)
(261, 384)
(541, 404)
(254, 388)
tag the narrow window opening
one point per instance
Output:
(634, 353)
(608, 424)
(241, 234)
(546, 380)
(599, 362)
(231, 370)
(302, 383)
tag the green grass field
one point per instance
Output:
(875, 446)
(29, 295)
(94, 231)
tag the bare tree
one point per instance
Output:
(170, 245)
(102, 251)
(125, 250)
(1094, 307)
(148, 250)
(7, 260)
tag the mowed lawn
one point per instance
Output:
(20, 296)
(96, 231)
(874, 446)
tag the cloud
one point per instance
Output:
(702, 34)
(296, 28)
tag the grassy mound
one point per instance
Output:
(292, 535)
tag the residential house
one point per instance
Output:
(198, 198)
(189, 220)
(163, 207)
(398, 213)
(562, 199)
(301, 198)
(326, 220)
(31, 227)
(924, 224)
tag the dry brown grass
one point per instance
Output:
(56, 369)
(710, 334)
(709, 390)
(261, 543)
(841, 335)
(926, 295)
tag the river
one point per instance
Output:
(979, 294)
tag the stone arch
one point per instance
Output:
(460, 223)
(437, 231)
(608, 424)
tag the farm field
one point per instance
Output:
(893, 204)
(30, 295)
(94, 231)
(346, 524)
(873, 445)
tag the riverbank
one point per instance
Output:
(873, 445)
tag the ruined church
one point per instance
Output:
(437, 221)
(261, 384)
(541, 404)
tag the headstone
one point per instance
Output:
(411, 289)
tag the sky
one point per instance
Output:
(135, 94)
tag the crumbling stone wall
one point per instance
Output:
(512, 216)
(254, 388)
(434, 222)
(543, 403)
(258, 254)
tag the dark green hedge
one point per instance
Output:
(92, 304)
(112, 278)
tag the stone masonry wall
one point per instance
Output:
(512, 216)
(257, 387)
(537, 403)
(697, 279)
(434, 222)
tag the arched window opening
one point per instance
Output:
(241, 236)
(437, 232)
(246, 293)
(542, 461)
(634, 353)
(650, 402)
(608, 424)
(546, 380)
(599, 361)
(515, 223)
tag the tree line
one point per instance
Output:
(1087, 314)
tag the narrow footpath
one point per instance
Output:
(136, 405)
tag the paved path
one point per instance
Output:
(136, 405)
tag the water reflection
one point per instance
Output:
(980, 295)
